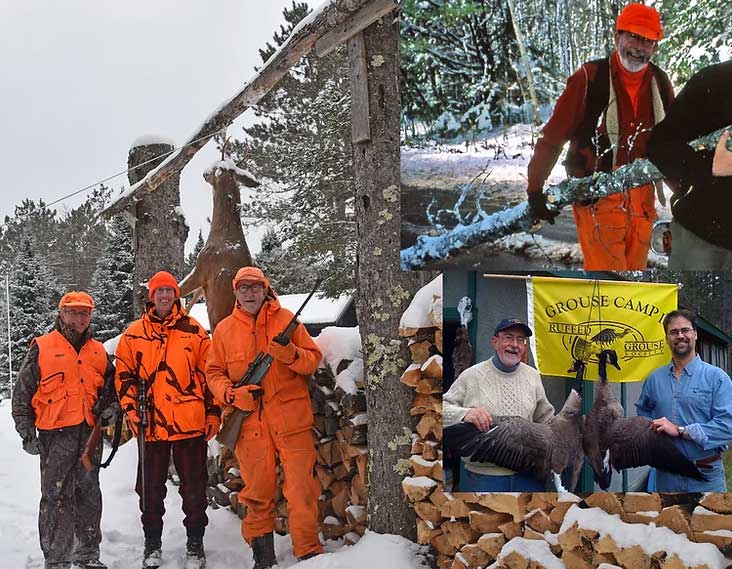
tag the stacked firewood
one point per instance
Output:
(425, 487)
(471, 530)
(339, 431)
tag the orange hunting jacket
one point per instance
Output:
(238, 338)
(173, 362)
(69, 381)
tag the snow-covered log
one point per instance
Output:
(517, 218)
(302, 40)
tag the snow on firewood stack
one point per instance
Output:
(422, 324)
(634, 530)
(340, 429)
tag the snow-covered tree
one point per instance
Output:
(286, 273)
(111, 285)
(301, 151)
(33, 299)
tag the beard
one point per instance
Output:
(632, 60)
(681, 349)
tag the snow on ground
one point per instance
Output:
(122, 534)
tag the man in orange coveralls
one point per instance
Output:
(181, 413)
(281, 418)
(627, 95)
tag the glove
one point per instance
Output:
(31, 444)
(244, 397)
(286, 354)
(212, 426)
(109, 415)
(538, 209)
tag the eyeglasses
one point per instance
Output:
(680, 331)
(256, 287)
(80, 313)
(645, 42)
(510, 339)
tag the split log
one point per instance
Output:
(606, 501)
(455, 508)
(540, 521)
(674, 519)
(706, 520)
(475, 556)
(429, 512)
(633, 558)
(459, 533)
(577, 559)
(642, 502)
(488, 522)
(514, 504)
(426, 531)
(717, 502)
(492, 543)
(418, 488)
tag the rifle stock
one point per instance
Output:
(229, 432)
(91, 446)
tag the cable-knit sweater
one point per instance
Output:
(519, 393)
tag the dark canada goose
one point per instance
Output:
(611, 440)
(545, 450)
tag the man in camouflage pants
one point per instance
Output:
(59, 389)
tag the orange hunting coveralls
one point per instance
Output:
(280, 423)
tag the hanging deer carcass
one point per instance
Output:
(225, 250)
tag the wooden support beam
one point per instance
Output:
(353, 26)
(360, 125)
(300, 43)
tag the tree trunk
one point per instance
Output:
(159, 229)
(383, 291)
(525, 60)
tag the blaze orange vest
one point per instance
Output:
(69, 382)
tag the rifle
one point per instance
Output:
(107, 398)
(229, 433)
(142, 428)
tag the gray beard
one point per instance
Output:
(630, 66)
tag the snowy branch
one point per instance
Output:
(517, 219)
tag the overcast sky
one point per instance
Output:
(82, 79)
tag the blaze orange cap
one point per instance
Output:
(250, 274)
(641, 20)
(76, 298)
(162, 278)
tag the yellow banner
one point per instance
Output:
(577, 318)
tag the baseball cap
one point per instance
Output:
(512, 323)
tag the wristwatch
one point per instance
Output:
(682, 431)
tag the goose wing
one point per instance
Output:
(515, 443)
(633, 443)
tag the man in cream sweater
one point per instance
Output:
(502, 385)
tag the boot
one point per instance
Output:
(264, 554)
(195, 555)
(152, 557)
(89, 564)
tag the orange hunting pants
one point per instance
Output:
(615, 233)
(256, 450)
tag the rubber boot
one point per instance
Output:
(153, 555)
(264, 554)
(195, 555)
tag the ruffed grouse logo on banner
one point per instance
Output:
(576, 319)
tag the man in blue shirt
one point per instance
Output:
(692, 401)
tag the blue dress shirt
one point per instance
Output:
(700, 400)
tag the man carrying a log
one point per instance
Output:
(626, 95)
(702, 240)
(502, 385)
(691, 401)
(280, 415)
(166, 350)
(60, 392)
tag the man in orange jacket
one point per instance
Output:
(626, 95)
(181, 413)
(281, 416)
(60, 391)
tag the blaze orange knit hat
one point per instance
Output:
(76, 298)
(641, 20)
(250, 274)
(162, 278)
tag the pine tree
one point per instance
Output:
(33, 298)
(285, 273)
(301, 151)
(190, 262)
(112, 283)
